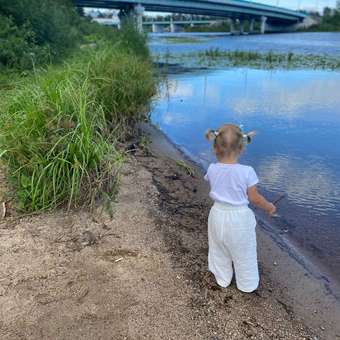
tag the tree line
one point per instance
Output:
(34, 32)
(329, 21)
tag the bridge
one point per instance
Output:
(272, 18)
(160, 26)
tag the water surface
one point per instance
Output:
(303, 43)
(297, 150)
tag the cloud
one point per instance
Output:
(308, 183)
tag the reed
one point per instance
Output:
(59, 129)
(123, 84)
(271, 60)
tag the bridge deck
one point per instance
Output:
(219, 8)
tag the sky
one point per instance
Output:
(311, 5)
(302, 4)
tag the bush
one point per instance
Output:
(59, 127)
(133, 41)
(52, 139)
(17, 48)
(58, 131)
(40, 30)
(329, 22)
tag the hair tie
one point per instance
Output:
(246, 138)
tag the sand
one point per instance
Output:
(139, 269)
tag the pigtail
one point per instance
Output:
(210, 135)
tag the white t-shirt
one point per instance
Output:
(229, 182)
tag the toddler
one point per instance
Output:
(231, 223)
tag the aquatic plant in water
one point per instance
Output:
(215, 57)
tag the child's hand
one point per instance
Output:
(271, 209)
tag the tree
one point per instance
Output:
(80, 11)
(327, 12)
(39, 28)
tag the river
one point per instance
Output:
(296, 114)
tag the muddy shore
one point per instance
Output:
(138, 270)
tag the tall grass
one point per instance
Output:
(123, 84)
(58, 132)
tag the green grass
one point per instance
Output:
(60, 124)
(182, 40)
(124, 82)
(59, 127)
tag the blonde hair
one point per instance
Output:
(228, 140)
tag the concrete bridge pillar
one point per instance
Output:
(232, 26)
(138, 13)
(156, 28)
(263, 24)
(241, 27)
(251, 26)
(174, 27)
(132, 14)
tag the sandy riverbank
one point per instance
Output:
(298, 282)
(138, 270)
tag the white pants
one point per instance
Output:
(232, 241)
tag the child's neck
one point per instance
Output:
(228, 159)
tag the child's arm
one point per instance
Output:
(259, 201)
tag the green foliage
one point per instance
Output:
(92, 32)
(59, 125)
(133, 41)
(52, 21)
(17, 48)
(51, 133)
(124, 100)
(183, 40)
(215, 57)
(329, 22)
(59, 128)
(33, 32)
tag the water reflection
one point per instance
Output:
(308, 184)
(296, 114)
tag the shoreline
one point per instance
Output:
(300, 282)
(137, 268)
(280, 228)
(214, 51)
